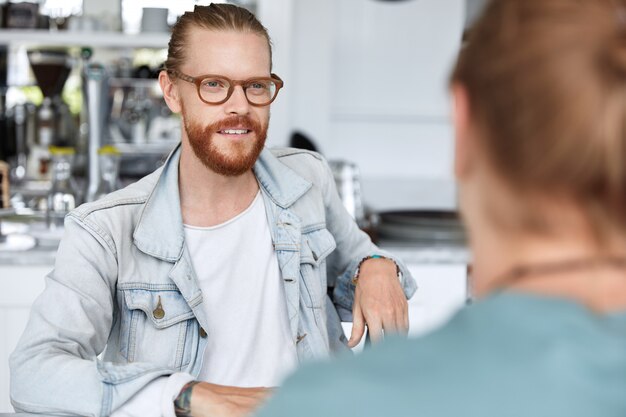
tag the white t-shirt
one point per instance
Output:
(249, 338)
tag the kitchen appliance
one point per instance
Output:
(139, 124)
(130, 114)
(51, 69)
(95, 100)
(132, 101)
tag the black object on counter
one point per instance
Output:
(301, 141)
(432, 227)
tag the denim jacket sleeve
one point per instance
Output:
(55, 367)
(352, 246)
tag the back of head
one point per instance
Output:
(217, 17)
(546, 81)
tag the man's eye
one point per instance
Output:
(258, 88)
(258, 85)
(212, 84)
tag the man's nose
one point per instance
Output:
(237, 103)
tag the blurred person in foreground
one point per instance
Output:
(192, 289)
(540, 118)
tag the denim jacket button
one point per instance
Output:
(202, 333)
(158, 313)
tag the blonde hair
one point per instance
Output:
(546, 81)
(216, 16)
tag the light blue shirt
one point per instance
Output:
(512, 355)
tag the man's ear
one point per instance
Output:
(463, 134)
(170, 92)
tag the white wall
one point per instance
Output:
(367, 81)
(277, 17)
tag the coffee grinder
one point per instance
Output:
(55, 124)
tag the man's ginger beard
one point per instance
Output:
(241, 157)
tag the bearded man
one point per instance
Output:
(213, 277)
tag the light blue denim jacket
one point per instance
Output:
(96, 335)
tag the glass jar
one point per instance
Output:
(62, 197)
(109, 163)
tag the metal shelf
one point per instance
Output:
(76, 38)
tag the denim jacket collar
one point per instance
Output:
(280, 182)
(162, 214)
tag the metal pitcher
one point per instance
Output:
(348, 181)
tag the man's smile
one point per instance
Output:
(234, 131)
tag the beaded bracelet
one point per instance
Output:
(355, 277)
(182, 403)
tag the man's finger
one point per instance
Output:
(391, 325)
(405, 324)
(402, 320)
(396, 321)
(358, 326)
(375, 330)
(402, 327)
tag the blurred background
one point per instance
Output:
(81, 115)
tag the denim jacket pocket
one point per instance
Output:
(158, 326)
(315, 247)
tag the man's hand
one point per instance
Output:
(379, 302)
(213, 400)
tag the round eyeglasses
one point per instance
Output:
(217, 89)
